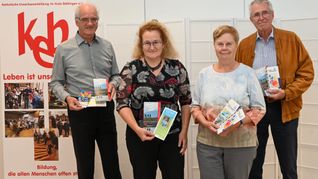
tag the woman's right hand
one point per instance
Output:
(205, 118)
(210, 125)
(127, 115)
(144, 134)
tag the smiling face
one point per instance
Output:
(225, 47)
(87, 22)
(262, 17)
(152, 45)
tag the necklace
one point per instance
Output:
(153, 68)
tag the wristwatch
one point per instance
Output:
(241, 123)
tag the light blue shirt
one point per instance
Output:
(214, 90)
(265, 53)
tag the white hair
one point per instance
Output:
(78, 9)
(269, 4)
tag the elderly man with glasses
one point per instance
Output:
(77, 63)
(271, 46)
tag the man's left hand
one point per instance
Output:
(275, 95)
(111, 91)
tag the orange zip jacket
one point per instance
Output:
(295, 68)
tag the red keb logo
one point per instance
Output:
(25, 37)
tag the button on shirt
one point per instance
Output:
(77, 63)
(265, 53)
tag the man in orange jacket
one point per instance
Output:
(270, 46)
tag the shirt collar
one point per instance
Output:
(271, 36)
(80, 40)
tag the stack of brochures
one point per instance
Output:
(231, 114)
(269, 78)
(157, 123)
(100, 97)
(151, 115)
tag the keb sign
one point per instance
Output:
(25, 37)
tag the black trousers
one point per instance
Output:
(145, 156)
(285, 140)
(90, 125)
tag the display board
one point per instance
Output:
(37, 139)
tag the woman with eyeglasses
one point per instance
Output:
(230, 154)
(155, 75)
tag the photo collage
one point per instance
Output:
(32, 110)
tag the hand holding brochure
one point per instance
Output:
(269, 78)
(100, 96)
(165, 122)
(100, 89)
(84, 98)
(151, 115)
(230, 115)
(273, 77)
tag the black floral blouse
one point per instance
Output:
(171, 88)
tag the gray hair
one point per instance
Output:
(269, 4)
(78, 9)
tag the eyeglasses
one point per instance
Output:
(86, 19)
(263, 14)
(155, 44)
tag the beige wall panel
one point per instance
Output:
(200, 31)
(297, 26)
(311, 46)
(309, 134)
(244, 27)
(311, 96)
(177, 33)
(200, 52)
(196, 68)
(309, 157)
(269, 171)
(270, 157)
(307, 114)
(308, 173)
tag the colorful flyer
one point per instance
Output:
(268, 78)
(228, 110)
(165, 122)
(84, 98)
(235, 118)
(87, 100)
(262, 78)
(100, 89)
(151, 115)
(230, 115)
(273, 77)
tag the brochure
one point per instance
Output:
(87, 100)
(151, 115)
(100, 89)
(230, 115)
(273, 77)
(165, 122)
(269, 78)
(85, 97)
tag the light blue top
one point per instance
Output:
(77, 63)
(214, 90)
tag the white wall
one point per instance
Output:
(207, 9)
(178, 9)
